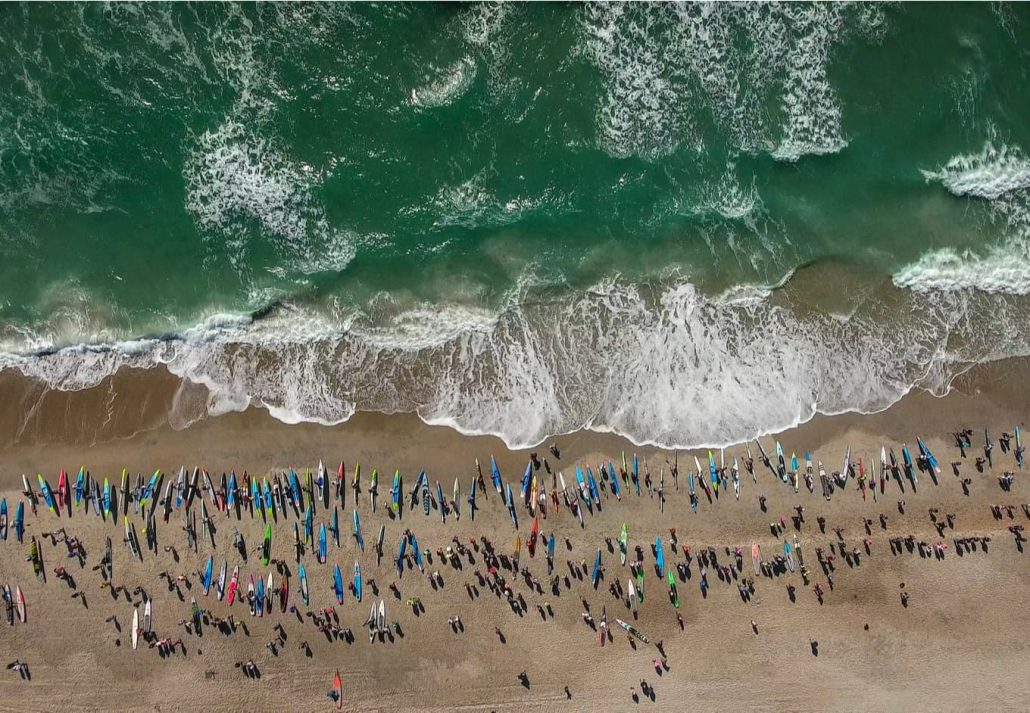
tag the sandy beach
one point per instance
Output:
(955, 646)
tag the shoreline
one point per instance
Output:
(897, 663)
(149, 403)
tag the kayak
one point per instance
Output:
(220, 589)
(303, 582)
(495, 474)
(373, 489)
(48, 497)
(929, 456)
(234, 584)
(454, 500)
(417, 552)
(133, 545)
(614, 481)
(909, 470)
(148, 493)
(396, 491)
(338, 583)
(357, 532)
(208, 573)
(19, 522)
(511, 507)
(268, 594)
(80, 484)
(592, 484)
(632, 631)
(62, 489)
(400, 555)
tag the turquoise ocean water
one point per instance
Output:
(686, 223)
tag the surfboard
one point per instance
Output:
(135, 628)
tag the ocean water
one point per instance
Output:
(689, 224)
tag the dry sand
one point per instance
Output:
(959, 645)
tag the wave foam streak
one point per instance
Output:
(1001, 177)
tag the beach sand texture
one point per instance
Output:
(956, 646)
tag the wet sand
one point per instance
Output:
(958, 645)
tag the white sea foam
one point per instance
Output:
(235, 177)
(664, 64)
(947, 269)
(991, 173)
(445, 86)
(1001, 177)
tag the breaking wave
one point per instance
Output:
(999, 176)
(658, 363)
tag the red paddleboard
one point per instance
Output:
(338, 687)
(21, 604)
